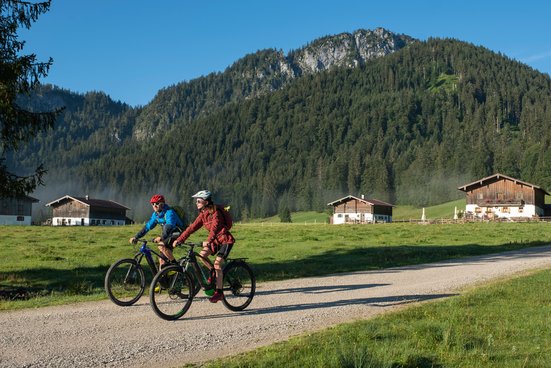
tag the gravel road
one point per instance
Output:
(101, 334)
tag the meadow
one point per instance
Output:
(56, 265)
(504, 324)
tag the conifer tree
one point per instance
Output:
(19, 74)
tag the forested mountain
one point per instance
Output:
(261, 73)
(408, 128)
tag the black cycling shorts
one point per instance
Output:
(222, 250)
(168, 245)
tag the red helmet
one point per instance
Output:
(157, 198)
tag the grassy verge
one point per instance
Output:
(503, 325)
(56, 265)
(441, 211)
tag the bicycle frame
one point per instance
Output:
(196, 270)
(147, 252)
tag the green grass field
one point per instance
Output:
(54, 265)
(502, 325)
(441, 211)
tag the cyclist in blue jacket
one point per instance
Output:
(172, 225)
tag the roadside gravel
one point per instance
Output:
(101, 334)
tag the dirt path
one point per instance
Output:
(102, 334)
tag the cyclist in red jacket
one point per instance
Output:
(219, 241)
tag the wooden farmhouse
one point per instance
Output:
(16, 211)
(353, 210)
(85, 211)
(500, 196)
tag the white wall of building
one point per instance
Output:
(78, 221)
(505, 212)
(342, 218)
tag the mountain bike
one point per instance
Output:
(125, 279)
(173, 289)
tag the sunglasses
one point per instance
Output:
(156, 203)
(200, 201)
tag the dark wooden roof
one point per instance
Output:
(494, 178)
(22, 198)
(374, 202)
(96, 203)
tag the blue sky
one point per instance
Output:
(130, 49)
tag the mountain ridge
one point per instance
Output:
(266, 71)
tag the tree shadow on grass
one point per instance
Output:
(36, 282)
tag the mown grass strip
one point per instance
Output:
(505, 324)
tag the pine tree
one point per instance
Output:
(19, 74)
(285, 214)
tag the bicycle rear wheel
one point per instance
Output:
(171, 293)
(239, 285)
(125, 282)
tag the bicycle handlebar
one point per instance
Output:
(190, 244)
(143, 241)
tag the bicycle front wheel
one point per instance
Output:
(125, 282)
(171, 293)
(239, 286)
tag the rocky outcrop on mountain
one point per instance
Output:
(263, 72)
(347, 50)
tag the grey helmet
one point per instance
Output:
(203, 194)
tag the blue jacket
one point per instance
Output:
(169, 220)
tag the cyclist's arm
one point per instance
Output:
(196, 225)
(148, 226)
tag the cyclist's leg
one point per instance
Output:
(218, 265)
(221, 257)
(165, 250)
(205, 253)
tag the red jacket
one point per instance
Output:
(214, 223)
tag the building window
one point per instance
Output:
(520, 195)
(20, 218)
(505, 210)
(480, 196)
